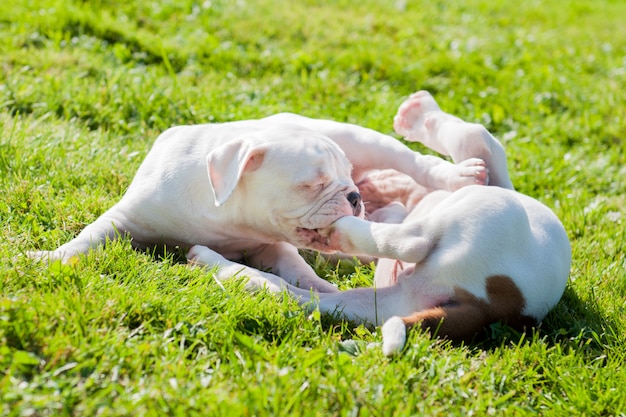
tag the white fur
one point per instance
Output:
(256, 189)
(394, 336)
(451, 240)
(466, 237)
(259, 189)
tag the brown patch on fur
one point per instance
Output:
(465, 315)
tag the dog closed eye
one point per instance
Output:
(316, 185)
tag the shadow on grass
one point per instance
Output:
(572, 322)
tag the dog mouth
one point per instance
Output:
(324, 215)
(315, 238)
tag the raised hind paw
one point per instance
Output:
(420, 119)
(412, 114)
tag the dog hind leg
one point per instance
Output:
(464, 316)
(421, 119)
(459, 322)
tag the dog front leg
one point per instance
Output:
(285, 261)
(408, 242)
(421, 119)
(225, 269)
(367, 150)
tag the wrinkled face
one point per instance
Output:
(304, 185)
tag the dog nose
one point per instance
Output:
(354, 199)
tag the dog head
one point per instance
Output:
(286, 183)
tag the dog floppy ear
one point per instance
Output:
(227, 163)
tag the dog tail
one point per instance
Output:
(464, 316)
(455, 322)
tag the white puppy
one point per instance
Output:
(460, 260)
(257, 189)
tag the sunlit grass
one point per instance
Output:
(85, 88)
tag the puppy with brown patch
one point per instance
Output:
(459, 260)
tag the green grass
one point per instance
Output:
(86, 86)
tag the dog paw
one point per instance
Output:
(40, 255)
(337, 241)
(472, 171)
(49, 256)
(201, 255)
(410, 120)
(339, 234)
(394, 336)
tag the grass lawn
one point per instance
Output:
(85, 88)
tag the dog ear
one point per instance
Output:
(227, 163)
